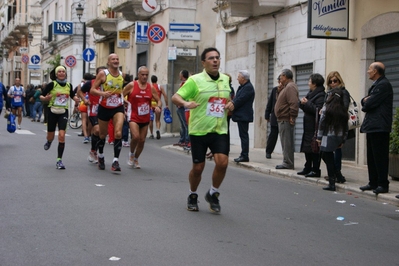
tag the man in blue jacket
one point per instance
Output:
(377, 125)
(3, 96)
(243, 112)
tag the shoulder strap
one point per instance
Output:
(106, 72)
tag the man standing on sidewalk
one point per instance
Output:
(377, 125)
(286, 110)
(206, 95)
(271, 117)
(243, 112)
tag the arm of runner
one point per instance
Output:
(165, 97)
(128, 88)
(100, 79)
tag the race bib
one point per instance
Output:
(61, 100)
(17, 99)
(114, 100)
(143, 109)
(215, 107)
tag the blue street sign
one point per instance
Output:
(185, 27)
(62, 27)
(35, 59)
(141, 28)
(88, 54)
(34, 67)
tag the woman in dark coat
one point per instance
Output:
(310, 104)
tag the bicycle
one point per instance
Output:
(75, 120)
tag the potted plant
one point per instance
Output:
(109, 12)
(394, 147)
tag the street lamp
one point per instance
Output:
(79, 13)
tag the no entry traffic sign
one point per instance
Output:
(70, 61)
(156, 33)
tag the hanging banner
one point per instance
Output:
(123, 39)
(328, 19)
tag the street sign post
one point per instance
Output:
(156, 33)
(35, 59)
(185, 31)
(141, 28)
(88, 54)
(70, 61)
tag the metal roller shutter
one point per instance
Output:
(271, 82)
(302, 77)
(387, 52)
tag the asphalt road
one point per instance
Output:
(84, 216)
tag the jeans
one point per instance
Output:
(378, 158)
(37, 109)
(183, 125)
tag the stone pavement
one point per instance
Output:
(355, 176)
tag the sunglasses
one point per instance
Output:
(333, 81)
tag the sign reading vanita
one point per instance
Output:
(62, 27)
(328, 19)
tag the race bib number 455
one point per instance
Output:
(215, 107)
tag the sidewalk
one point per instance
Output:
(355, 176)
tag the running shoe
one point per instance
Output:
(86, 140)
(213, 201)
(92, 157)
(19, 127)
(115, 166)
(136, 164)
(151, 136)
(192, 202)
(130, 161)
(101, 164)
(125, 144)
(59, 165)
(158, 134)
(47, 145)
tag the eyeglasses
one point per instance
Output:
(213, 58)
(333, 81)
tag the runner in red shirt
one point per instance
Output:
(139, 95)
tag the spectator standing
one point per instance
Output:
(271, 118)
(333, 129)
(45, 107)
(310, 105)
(184, 139)
(377, 125)
(243, 112)
(30, 100)
(286, 110)
(335, 81)
(37, 105)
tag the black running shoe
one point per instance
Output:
(213, 201)
(115, 166)
(158, 134)
(192, 202)
(47, 145)
(101, 164)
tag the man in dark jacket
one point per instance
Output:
(243, 112)
(377, 125)
(271, 117)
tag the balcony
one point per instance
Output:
(103, 25)
(16, 29)
(132, 10)
(247, 8)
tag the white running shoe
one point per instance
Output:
(92, 157)
(130, 161)
(136, 164)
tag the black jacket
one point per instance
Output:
(243, 101)
(315, 100)
(378, 107)
(269, 112)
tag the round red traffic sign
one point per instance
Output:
(156, 33)
(70, 61)
(25, 59)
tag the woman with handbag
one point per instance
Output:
(58, 94)
(332, 133)
(310, 105)
(335, 81)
